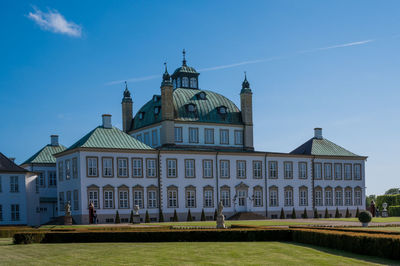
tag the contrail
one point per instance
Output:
(256, 61)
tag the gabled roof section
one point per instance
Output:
(109, 138)
(45, 155)
(6, 165)
(323, 146)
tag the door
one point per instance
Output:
(242, 200)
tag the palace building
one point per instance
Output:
(188, 149)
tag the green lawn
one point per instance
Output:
(227, 253)
(374, 220)
(381, 228)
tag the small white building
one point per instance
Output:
(19, 201)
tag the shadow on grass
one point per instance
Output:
(347, 254)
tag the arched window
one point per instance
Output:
(156, 110)
(141, 115)
(202, 95)
(191, 107)
(185, 82)
(193, 83)
(178, 84)
(174, 83)
(222, 110)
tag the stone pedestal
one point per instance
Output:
(67, 220)
(221, 222)
(384, 214)
(136, 219)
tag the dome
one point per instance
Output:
(184, 69)
(192, 105)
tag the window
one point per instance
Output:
(338, 171)
(357, 197)
(152, 199)
(76, 200)
(185, 82)
(207, 168)
(338, 197)
(193, 135)
(191, 108)
(61, 201)
(209, 135)
(348, 197)
(302, 170)
(226, 197)
(74, 168)
(347, 171)
(178, 134)
(156, 109)
(189, 168)
(171, 168)
(222, 110)
(108, 199)
(225, 169)
(238, 137)
(92, 166)
(241, 169)
(69, 197)
(172, 198)
(42, 181)
(328, 197)
(273, 196)
(174, 83)
(328, 171)
(67, 169)
(108, 167)
(94, 198)
(273, 169)
(190, 197)
(14, 185)
(146, 138)
(123, 199)
(208, 198)
(151, 167)
(60, 171)
(1, 212)
(193, 83)
(179, 82)
(15, 212)
(139, 137)
(357, 171)
(288, 196)
(224, 136)
(257, 197)
(317, 171)
(318, 197)
(141, 115)
(242, 197)
(303, 191)
(52, 178)
(257, 169)
(122, 167)
(288, 170)
(137, 167)
(138, 197)
(154, 138)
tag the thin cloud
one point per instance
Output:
(55, 22)
(256, 61)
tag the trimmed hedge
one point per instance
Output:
(394, 210)
(391, 200)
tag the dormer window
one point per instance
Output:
(193, 83)
(155, 98)
(191, 107)
(185, 82)
(174, 83)
(222, 110)
(178, 83)
(157, 110)
(141, 115)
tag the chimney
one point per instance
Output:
(318, 133)
(54, 140)
(107, 121)
(12, 159)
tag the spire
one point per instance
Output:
(166, 79)
(184, 58)
(245, 84)
(127, 94)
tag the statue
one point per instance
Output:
(136, 209)
(220, 216)
(384, 211)
(68, 217)
(372, 208)
(136, 215)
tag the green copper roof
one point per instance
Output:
(322, 147)
(206, 109)
(109, 138)
(185, 69)
(45, 155)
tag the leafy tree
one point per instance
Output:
(326, 213)
(203, 215)
(160, 216)
(357, 212)
(189, 216)
(117, 219)
(393, 191)
(316, 213)
(282, 214)
(368, 200)
(175, 218)
(215, 215)
(337, 214)
(131, 218)
(305, 216)
(293, 214)
(348, 213)
(147, 217)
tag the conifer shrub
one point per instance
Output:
(117, 219)
(293, 214)
(203, 215)
(215, 215)
(316, 213)
(326, 213)
(305, 216)
(347, 213)
(175, 218)
(357, 212)
(147, 217)
(337, 214)
(282, 214)
(189, 217)
(131, 218)
(160, 216)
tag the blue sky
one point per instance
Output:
(331, 64)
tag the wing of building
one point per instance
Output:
(188, 149)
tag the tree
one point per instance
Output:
(282, 214)
(117, 219)
(203, 215)
(175, 218)
(393, 191)
(326, 213)
(147, 217)
(368, 200)
(357, 212)
(215, 215)
(160, 216)
(131, 218)
(293, 214)
(305, 216)
(337, 214)
(189, 216)
(316, 213)
(347, 213)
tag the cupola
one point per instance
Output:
(245, 85)
(185, 76)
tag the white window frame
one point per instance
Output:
(273, 197)
(207, 168)
(178, 134)
(224, 136)
(15, 212)
(288, 170)
(257, 169)
(193, 135)
(152, 199)
(14, 184)
(209, 136)
(238, 137)
(302, 170)
(225, 168)
(92, 164)
(151, 167)
(172, 198)
(288, 193)
(226, 197)
(241, 169)
(318, 197)
(190, 168)
(172, 169)
(67, 169)
(123, 199)
(138, 197)
(122, 167)
(190, 198)
(108, 199)
(303, 193)
(208, 198)
(137, 167)
(107, 163)
(273, 169)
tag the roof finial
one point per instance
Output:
(166, 76)
(245, 75)
(184, 57)
(245, 84)
(126, 85)
(165, 65)
(127, 94)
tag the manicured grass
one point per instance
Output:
(374, 220)
(380, 228)
(233, 253)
